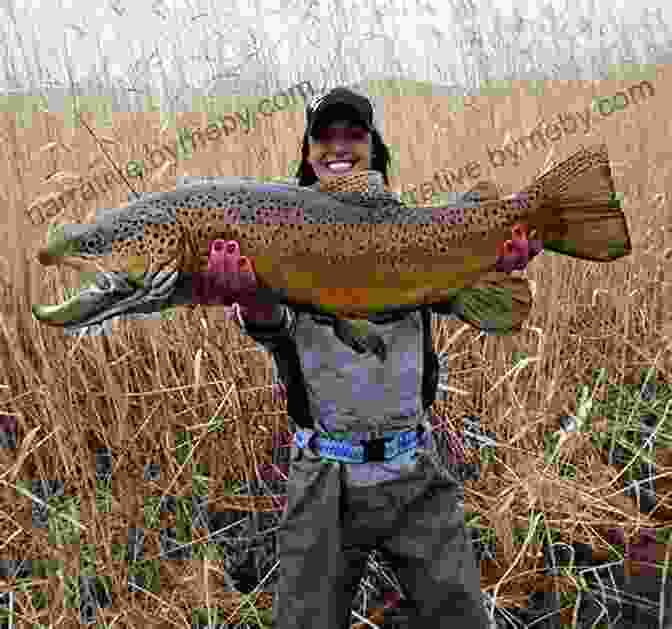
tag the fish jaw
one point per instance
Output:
(113, 295)
(92, 304)
(118, 289)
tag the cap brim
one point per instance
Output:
(353, 115)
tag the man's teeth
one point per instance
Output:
(339, 166)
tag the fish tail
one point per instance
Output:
(498, 303)
(579, 214)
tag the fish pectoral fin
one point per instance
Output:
(497, 303)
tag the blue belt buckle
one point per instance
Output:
(374, 449)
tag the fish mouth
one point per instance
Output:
(111, 295)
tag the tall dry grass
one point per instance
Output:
(134, 391)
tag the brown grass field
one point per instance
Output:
(135, 390)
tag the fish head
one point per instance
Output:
(122, 285)
(107, 297)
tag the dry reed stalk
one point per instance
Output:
(519, 406)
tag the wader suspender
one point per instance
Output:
(289, 368)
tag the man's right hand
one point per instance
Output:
(230, 279)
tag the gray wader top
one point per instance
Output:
(409, 508)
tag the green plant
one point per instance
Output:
(202, 616)
(183, 520)
(87, 559)
(623, 405)
(209, 551)
(118, 551)
(200, 479)
(168, 313)
(487, 455)
(149, 568)
(40, 599)
(567, 470)
(616, 552)
(103, 495)
(216, 424)
(567, 599)
(251, 615)
(71, 591)
(517, 357)
(152, 512)
(664, 536)
(63, 519)
(541, 533)
(183, 450)
(232, 486)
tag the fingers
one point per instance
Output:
(536, 247)
(514, 254)
(230, 276)
(520, 248)
(520, 231)
(224, 256)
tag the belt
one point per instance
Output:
(389, 446)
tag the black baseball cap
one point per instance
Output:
(358, 108)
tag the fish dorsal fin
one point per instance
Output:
(367, 181)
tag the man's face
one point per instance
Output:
(340, 148)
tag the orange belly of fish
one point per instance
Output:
(341, 297)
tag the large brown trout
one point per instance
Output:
(347, 254)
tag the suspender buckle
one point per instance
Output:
(374, 449)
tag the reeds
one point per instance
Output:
(137, 390)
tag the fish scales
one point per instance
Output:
(420, 231)
(315, 256)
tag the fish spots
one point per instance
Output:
(521, 201)
(279, 216)
(449, 215)
(230, 215)
(161, 239)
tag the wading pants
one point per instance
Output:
(328, 529)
